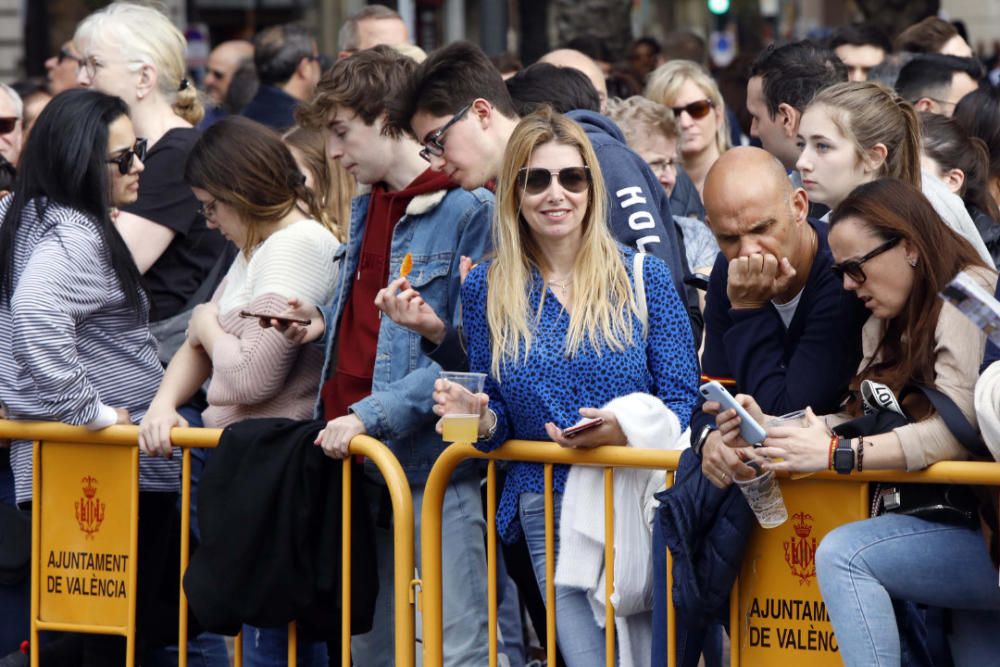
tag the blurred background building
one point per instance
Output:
(33, 30)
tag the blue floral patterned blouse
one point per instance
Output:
(549, 386)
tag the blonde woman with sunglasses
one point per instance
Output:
(556, 324)
(690, 92)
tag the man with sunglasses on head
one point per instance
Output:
(408, 232)
(11, 115)
(222, 63)
(457, 106)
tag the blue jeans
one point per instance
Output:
(861, 565)
(581, 640)
(268, 647)
(463, 555)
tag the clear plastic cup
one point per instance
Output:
(764, 497)
(462, 424)
(792, 419)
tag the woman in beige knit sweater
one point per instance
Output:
(896, 255)
(251, 189)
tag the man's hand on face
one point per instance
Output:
(756, 279)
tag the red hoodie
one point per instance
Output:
(359, 324)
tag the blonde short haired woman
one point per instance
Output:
(134, 52)
(689, 90)
(556, 323)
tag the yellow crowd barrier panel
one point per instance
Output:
(777, 615)
(548, 454)
(85, 492)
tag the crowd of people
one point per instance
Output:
(318, 239)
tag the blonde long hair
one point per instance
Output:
(602, 299)
(665, 83)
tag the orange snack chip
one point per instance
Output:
(406, 266)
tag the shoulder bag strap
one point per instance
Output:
(640, 291)
(959, 426)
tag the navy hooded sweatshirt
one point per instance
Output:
(639, 213)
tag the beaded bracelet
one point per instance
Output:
(861, 452)
(833, 447)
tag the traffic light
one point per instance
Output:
(718, 7)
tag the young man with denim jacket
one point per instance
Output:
(376, 379)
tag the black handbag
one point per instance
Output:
(945, 503)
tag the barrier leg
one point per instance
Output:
(550, 568)
(345, 565)
(293, 645)
(609, 566)
(491, 557)
(238, 650)
(182, 620)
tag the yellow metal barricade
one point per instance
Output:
(526, 451)
(777, 616)
(85, 520)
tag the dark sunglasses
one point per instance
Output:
(8, 124)
(127, 158)
(535, 181)
(696, 110)
(432, 144)
(64, 54)
(852, 267)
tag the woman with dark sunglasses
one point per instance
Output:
(896, 255)
(75, 345)
(557, 324)
(691, 93)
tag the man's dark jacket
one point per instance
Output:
(273, 107)
(269, 509)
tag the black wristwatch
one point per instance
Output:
(843, 456)
(699, 442)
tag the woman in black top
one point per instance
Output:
(136, 53)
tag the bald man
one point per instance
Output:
(222, 63)
(778, 324)
(584, 63)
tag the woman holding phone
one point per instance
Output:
(554, 322)
(252, 191)
(895, 254)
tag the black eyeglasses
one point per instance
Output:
(432, 144)
(65, 54)
(852, 267)
(8, 123)
(696, 110)
(127, 158)
(535, 181)
(207, 209)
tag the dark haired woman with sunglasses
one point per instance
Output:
(75, 345)
(556, 324)
(896, 255)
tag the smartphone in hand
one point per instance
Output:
(585, 425)
(284, 320)
(751, 431)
